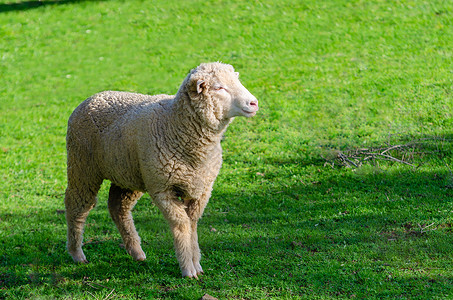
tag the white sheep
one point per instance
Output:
(168, 146)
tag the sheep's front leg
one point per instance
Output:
(175, 213)
(196, 248)
(194, 210)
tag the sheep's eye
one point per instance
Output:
(219, 88)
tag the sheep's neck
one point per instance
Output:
(198, 139)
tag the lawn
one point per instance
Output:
(288, 217)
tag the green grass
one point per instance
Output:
(281, 223)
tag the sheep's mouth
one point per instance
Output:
(249, 113)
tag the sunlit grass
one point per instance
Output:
(281, 223)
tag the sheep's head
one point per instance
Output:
(215, 90)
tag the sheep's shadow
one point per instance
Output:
(26, 5)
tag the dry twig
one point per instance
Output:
(400, 153)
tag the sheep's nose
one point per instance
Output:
(254, 103)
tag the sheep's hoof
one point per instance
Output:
(140, 258)
(190, 274)
(83, 262)
(198, 268)
(79, 257)
(137, 254)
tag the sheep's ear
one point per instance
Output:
(200, 86)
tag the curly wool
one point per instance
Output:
(176, 144)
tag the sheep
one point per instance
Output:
(165, 145)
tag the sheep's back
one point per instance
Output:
(105, 128)
(109, 107)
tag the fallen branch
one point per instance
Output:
(400, 153)
(423, 229)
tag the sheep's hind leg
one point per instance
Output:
(78, 202)
(121, 202)
(176, 215)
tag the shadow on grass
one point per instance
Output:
(369, 232)
(344, 234)
(341, 194)
(25, 5)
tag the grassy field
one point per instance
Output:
(287, 219)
